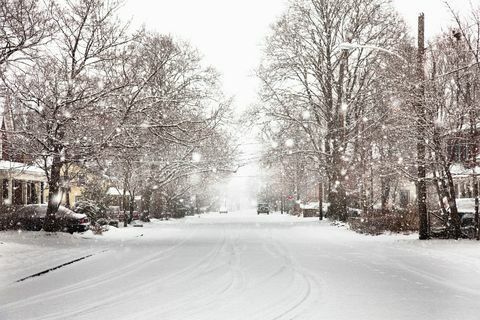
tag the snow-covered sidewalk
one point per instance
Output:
(237, 266)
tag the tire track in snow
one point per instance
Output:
(229, 291)
(291, 306)
(203, 299)
(96, 280)
(136, 288)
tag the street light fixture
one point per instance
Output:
(352, 46)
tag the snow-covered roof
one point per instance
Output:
(21, 168)
(314, 205)
(459, 170)
(309, 205)
(466, 205)
(112, 191)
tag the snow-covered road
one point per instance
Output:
(237, 266)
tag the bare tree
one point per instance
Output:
(307, 72)
(24, 25)
(65, 94)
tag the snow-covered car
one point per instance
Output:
(107, 222)
(467, 219)
(165, 216)
(31, 217)
(223, 210)
(263, 208)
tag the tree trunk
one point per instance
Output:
(66, 178)
(320, 201)
(337, 197)
(124, 205)
(385, 185)
(454, 217)
(54, 197)
(131, 205)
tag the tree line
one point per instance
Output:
(137, 108)
(339, 105)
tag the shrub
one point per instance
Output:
(375, 224)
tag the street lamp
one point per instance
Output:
(352, 46)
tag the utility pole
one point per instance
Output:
(473, 153)
(320, 200)
(421, 122)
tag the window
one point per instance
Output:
(81, 179)
(17, 192)
(404, 198)
(31, 193)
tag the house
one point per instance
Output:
(460, 150)
(309, 209)
(21, 181)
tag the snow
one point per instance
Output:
(18, 167)
(466, 205)
(459, 170)
(237, 266)
(112, 191)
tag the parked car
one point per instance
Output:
(165, 216)
(263, 208)
(31, 217)
(136, 215)
(108, 222)
(223, 210)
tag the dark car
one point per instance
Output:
(31, 217)
(263, 208)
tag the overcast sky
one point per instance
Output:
(229, 33)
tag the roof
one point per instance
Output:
(466, 205)
(112, 191)
(459, 170)
(21, 168)
(309, 205)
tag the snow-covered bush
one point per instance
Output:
(93, 210)
(376, 223)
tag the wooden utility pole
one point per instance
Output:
(320, 200)
(473, 153)
(421, 122)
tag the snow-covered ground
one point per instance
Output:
(237, 266)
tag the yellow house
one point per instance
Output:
(72, 184)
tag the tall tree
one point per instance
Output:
(66, 92)
(319, 62)
(24, 25)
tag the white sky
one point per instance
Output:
(230, 33)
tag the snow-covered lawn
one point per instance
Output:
(237, 266)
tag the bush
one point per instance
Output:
(93, 210)
(8, 219)
(375, 224)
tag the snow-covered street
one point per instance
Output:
(237, 266)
